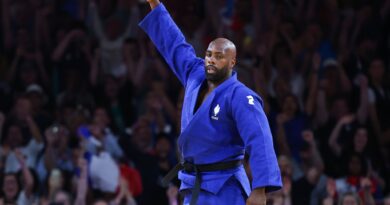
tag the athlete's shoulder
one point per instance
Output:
(242, 89)
(242, 93)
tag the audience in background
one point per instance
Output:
(90, 113)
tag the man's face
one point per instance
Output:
(377, 70)
(22, 108)
(10, 186)
(219, 62)
(14, 136)
(360, 139)
(101, 117)
(349, 200)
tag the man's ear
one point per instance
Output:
(233, 62)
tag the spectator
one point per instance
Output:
(61, 197)
(140, 150)
(111, 36)
(117, 99)
(290, 122)
(350, 198)
(100, 131)
(15, 191)
(379, 96)
(76, 92)
(15, 140)
(11, 188)
(57, 153)
(358, 179)
(163, 152)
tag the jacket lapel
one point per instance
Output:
(202, 114)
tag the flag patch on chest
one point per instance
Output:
(216, 111)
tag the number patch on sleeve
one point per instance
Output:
(251, 101)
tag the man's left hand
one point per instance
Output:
(257, 197)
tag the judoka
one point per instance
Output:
(222, 120)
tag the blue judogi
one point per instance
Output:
(230, 121)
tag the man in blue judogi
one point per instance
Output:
(221, 120)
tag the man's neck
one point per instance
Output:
(211, 86)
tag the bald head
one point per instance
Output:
(224, 45)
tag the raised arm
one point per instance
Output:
(315, 157)
(170, 41)
(95, 21)
(362, 112)
(280, 137)
(82, 182)
(34, 129)
(333, 139)
(313, 88)
(27, 176)
(63, 45)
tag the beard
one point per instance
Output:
(218, 75)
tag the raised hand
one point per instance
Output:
(153, 3)
(347, 119)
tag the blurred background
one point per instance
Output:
(90, 112)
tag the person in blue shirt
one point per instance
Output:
(222, 119)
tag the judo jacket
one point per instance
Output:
(230, 121)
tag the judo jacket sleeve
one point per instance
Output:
(253, 127)
(171, 43)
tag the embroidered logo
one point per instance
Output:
(251, 101)
(216, 111)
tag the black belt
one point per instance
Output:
(198, 168)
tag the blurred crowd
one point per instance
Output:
(90, 112)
